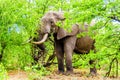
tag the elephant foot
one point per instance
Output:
(69, 72)
(60, 72)
(93, 72)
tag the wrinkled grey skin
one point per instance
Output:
(65, 43)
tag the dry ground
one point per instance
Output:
(78, 75)
(17, 75)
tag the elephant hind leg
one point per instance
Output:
(93, 70)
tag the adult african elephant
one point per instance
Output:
(65, 42)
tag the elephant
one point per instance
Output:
(65, 43)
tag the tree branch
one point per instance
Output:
(110, 67)
(114, 18)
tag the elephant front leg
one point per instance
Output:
(69, 45)
(68, 60)
(60, 60)
(60, 57)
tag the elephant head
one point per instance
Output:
(49, 25)
(49, 21)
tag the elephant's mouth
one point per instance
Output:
(43, 39)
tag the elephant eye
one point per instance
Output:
(51, 22)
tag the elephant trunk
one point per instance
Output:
(43, 39)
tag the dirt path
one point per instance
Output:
(17, 75)
(78, 75)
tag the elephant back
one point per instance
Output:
(84, 45)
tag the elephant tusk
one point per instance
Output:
(28, 41)
(43, 40)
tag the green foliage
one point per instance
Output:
(36, 71)
(3, 72)
(17, 24)
(17, 56)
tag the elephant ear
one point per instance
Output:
(61, 33)
(75, 30)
